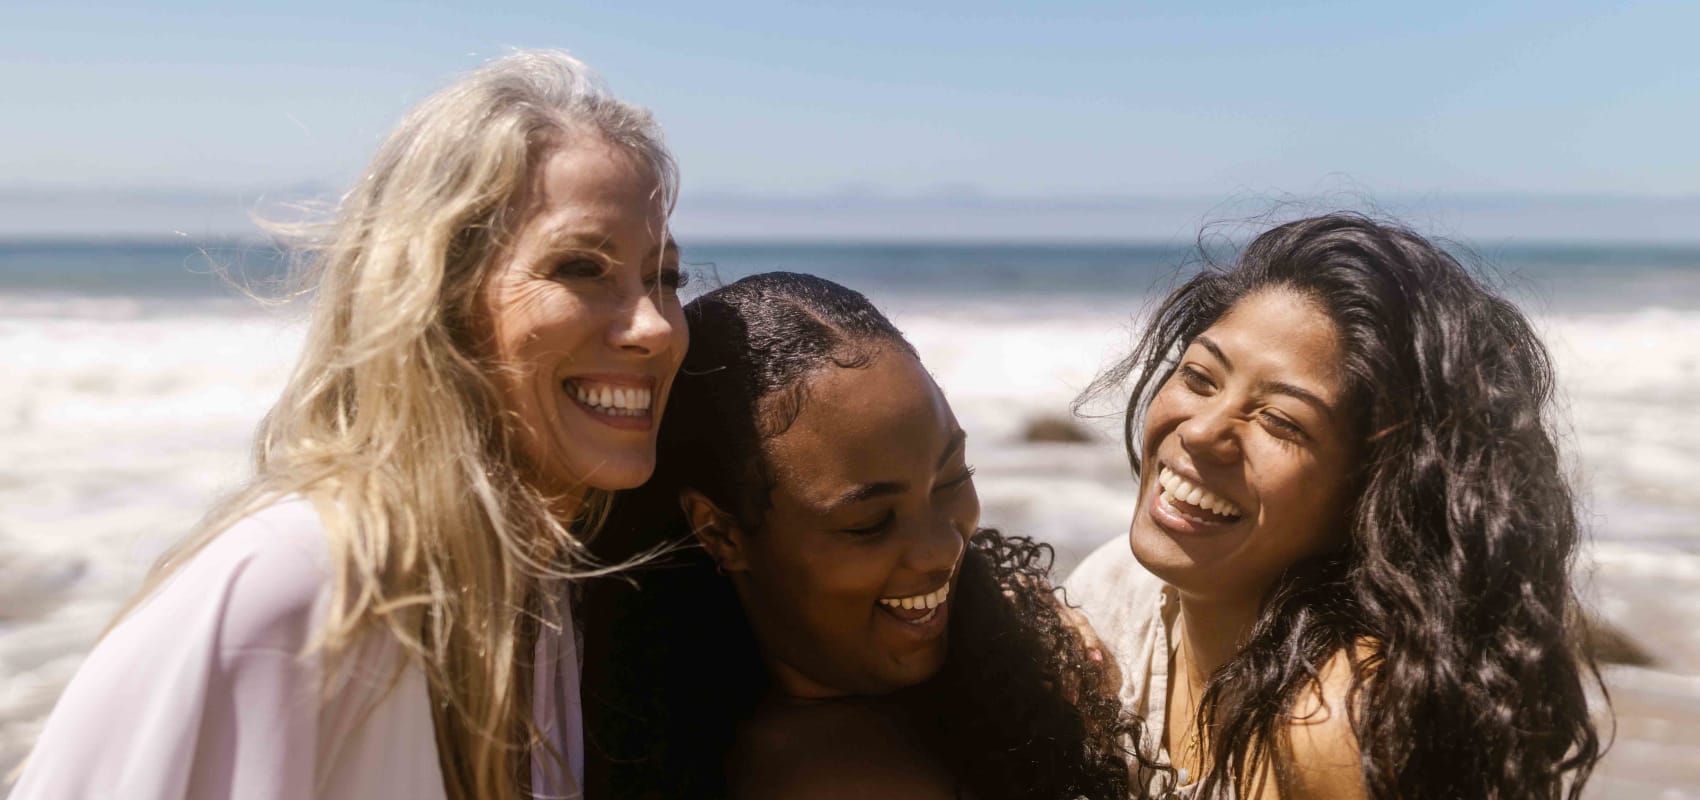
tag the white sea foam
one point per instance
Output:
(121, 422)
(1627, 385)
(117, 429)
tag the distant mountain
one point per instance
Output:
(864, 213)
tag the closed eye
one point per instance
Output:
(875, 529)
(1194, 380)
(1283, 425)
(959, 480)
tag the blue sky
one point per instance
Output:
(947, 100)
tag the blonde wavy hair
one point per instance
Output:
(391, 424)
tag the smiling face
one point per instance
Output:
(847, 584)
(585, 322)
(1246, 452)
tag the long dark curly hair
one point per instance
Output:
(1462, 532)
(671, 664)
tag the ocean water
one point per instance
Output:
(134, 376)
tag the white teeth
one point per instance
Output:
(928, 601)
(620, 401)
(1179, 489)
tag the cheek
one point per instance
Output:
(822, 577)
(538, 323)
(851, 575)
(1161, 418)
(1301, 498)
(966, 511)
(681, 330)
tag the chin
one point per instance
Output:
(1156, 550)
(921, 668)
(617, 479)
(605, 474)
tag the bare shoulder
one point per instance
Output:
(834, 750)
(1322, 756)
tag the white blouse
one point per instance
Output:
(202, 691)
(1134, 613)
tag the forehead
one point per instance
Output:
(591, 183)
(1283, 334)
(886, 421)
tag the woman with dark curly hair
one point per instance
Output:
(844, 629)
(1349, 566)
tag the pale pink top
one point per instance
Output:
(202, 691)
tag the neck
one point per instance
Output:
(786, 680)
(790, 683)
(1212, 630)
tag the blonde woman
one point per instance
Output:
(381, 611)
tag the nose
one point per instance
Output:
(1210, 434)
(640, 327)
(937, 549)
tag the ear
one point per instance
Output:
(715, 530)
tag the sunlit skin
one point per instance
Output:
(1250, 414)
(1253, 414)
(872, 499)
(586, 296)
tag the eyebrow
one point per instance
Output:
(559, 239)
(1274, 387)
(1302, 395)
(869, 491)
(1217, 351)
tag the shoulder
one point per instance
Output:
(1111, 570)
(1322, 757)
(834, 750)
(203, 675)
(261, 580)
(1111, 586)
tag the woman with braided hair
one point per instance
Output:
(839, 625)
